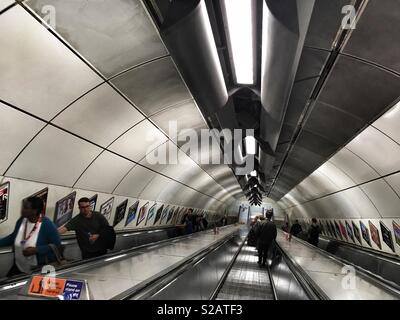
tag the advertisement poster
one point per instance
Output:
(142, 213)
(343, 231)
(375, 234)
(152, 212)
(106, 208)
(349, 231)
(131, 213)
(322, 227)
(356, 232)
(170, 214)
(64, 209)
(337, 231)
(120, 212)
(164, 214)
(176, 216)
(42, 194)
(328, 229)
(332, 229)
(365, 233)
(158, 214)
(93, 201)
(396, 229)
(387, 236)
(4, 193)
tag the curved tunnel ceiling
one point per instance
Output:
(346, 80)
(93, 95)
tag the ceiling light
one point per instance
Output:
(250, 145)
(239, 17)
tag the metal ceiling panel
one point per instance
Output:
(112, 35)
(16, 130)
(186, 116)
(55, 157)
(360, 88)
(353, 166)
(333, 124)
(389, 123)
(5, 3)
(153, 86)
(134, 182)
(104, 173)
(379, 151)
(101, 116)
(311, 63)
(380, 19)
(384, 198)
(138, 141)
(30, 65)
(322, 32)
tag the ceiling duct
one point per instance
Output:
(285, 24)
(186, 31)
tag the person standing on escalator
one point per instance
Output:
(313, 233)
(266, 234)
(93, 233)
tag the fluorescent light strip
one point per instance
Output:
(250, 145)
(239, 19)
(114, 258)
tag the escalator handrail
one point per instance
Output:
(376, 279)
(313, 291)
(158, 282)
(65, 239)
(371, 252)
(89, 263)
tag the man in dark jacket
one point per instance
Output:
(91, 229)
(266, 234)
(313, 232)
(296, 228)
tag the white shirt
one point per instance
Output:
(26, 264)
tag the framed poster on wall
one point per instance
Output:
(164, 214)
(387, 236)
(92, 202)
(120, 212)
(396, 230)
(131, 213)
(343, 231)
(158, 214)
(337, 230)
(170, 214)
(365, 233)
(349, 231)
(332, 229)
(375, 234)
(106, 208)
(151, 213)
(4, 196)
(64, 209)
(356, 232)
(142, 213)
(42, 194)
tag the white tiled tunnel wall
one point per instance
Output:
(82, 104)
(361, 182)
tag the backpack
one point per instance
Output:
(108, 237)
